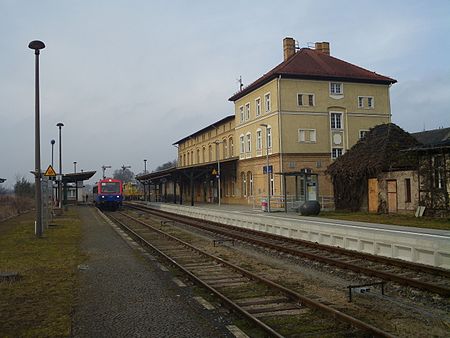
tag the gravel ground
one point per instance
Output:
(123, 294)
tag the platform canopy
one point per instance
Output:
(77, 177)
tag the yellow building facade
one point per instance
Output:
(293, 122)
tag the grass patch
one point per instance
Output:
(395, 219)
(41, 302)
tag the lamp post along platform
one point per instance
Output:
(60, 182)
(37, 46)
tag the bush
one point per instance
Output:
(12, 206)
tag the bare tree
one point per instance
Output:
(125, 175)
(167, 165)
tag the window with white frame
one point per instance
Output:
(242, 144)
(363, 133)
(305, 100)
(248, 142)
(241, 113)
(258, 106)
(247, 111)
(267, 102)
(307, 135)
(336, 120)
(269, 137)
(259, 139)
(360, 102)
(366, 102)
(336, 152)
(336, 88)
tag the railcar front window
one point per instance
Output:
(111, 187)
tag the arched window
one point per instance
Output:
(258, 139)
(250, 183)
(210, 155)
(269, 137)
(204, 154)
(231, 147)
(198, 156)
(225, 148)
(217, 150)
(242, 143)
(243, 184)
(248, 142)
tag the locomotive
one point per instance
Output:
(108, 193)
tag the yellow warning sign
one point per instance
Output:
(50, 171)
(214, 172)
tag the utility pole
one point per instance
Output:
(104, 167)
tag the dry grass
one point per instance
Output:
(41, 302)
(11, 205)
(395, 219)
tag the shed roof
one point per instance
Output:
(432, 137)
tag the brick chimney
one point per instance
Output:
(288, 48)
(323, 47)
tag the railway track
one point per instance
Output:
(275, 309)
(418, 276)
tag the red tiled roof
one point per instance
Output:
(314, 65)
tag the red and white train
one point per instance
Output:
(108, 193)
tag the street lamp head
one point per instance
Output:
(36, 45)
(52, 142)
(60, 124)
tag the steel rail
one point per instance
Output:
(291, 294)
(199, 281)
(438, 289)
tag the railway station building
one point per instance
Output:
(287, 127)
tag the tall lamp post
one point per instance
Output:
(37, 46)
(60, 182)
(145, 171)
(52, 142)
(217, 142)
(76, 182)
(267, 165)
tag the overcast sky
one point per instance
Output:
(129, 78)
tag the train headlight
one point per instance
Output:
(103, 196)
(118, 196)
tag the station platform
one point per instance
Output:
(420, 245)
(125, 292)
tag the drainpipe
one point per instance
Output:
(280, 131)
